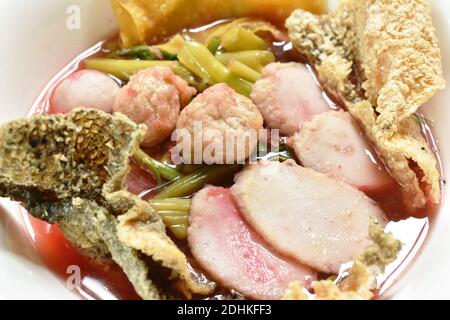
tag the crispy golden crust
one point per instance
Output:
(345, 48)
(141, 230)
(70, 170)
(357, 285)
(398, 51)
(295, 291)
(143, 21)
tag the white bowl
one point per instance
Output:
(36, 44)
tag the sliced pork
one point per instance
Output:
(154, 97)
(224, 123)
(287, 95)
(233, 254)
(304, 214)
(332, 143)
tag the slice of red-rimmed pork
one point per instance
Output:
(234, 254)
(332, 143)
(304, 214)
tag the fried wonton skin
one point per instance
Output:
(70, 170)
(143, 21)
(381, 60)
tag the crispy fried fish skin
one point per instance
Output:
(100, 228)
(381, 60)
(46, 160)
(398, 49)
(141, 229)
(70, 170)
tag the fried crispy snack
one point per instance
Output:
(360, 281)
(70, 170)
(381, 60)
(143, 21)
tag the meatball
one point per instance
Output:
(154, 97)
(287, 95)
(84, 88)
(219, 126)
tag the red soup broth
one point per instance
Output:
(100, 280)
(95, 280)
